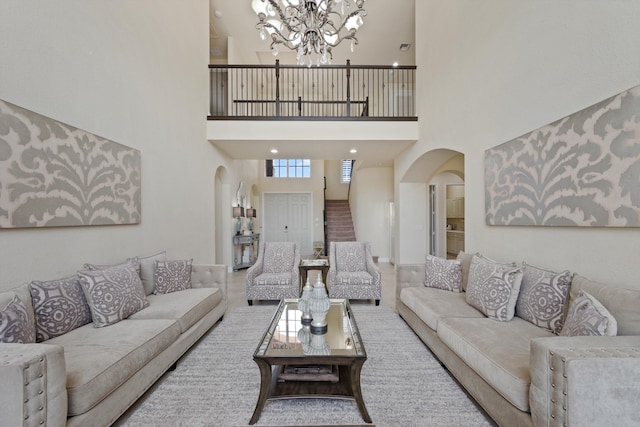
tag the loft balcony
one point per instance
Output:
(254, 108)
(290, 92)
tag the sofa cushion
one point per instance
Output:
(273, 279)
(353, 278)
(187, 307)
(431, 305)
(351, 256)
(443, 273)
(493, 288)
(587, 317)
(497, 351)
(100, 360)
(171, 276)
(113, 294)
(620, 302)
(542, 297)
(147, 267)
(135, 262)
(16, 323)
(465, 258)
(60, 306)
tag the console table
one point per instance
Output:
(239, 244)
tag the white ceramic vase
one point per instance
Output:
(319, 305)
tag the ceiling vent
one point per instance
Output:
(404, 47)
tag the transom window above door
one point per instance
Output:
(288, 168)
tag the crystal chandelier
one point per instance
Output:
(310, 27)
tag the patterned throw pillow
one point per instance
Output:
(443, 274)
(587, 316)
(542, 297)
(113, 294)
(172, 276)
(16, 325)
(60, 307)
(493, 288)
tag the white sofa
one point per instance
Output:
(91, 376)
(522, 374)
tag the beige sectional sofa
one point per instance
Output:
(523, 374)
(90, 376)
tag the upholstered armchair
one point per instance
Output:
(352, 272)
(275, 274)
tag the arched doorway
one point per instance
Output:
(422, 204)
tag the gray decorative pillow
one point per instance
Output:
(493, 288)
(130, 261)
(542, 297)
(465, 259)
(60, 307)
(113, 294)
(172, 276)
(147, 269)
(16, 324)
(443, 274)
(588, 317)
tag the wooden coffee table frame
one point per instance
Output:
(347, 387)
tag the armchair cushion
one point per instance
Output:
(350, 257)
(353, 278)
(273, 279)
(279, 258)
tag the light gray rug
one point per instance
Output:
(217, 383)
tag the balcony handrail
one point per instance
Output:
(271, 92)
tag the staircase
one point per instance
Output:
(339, 222)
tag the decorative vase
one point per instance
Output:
(318, 307)
(304, 336)
(303, 303)
(318, 345)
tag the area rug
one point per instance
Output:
(217, 382)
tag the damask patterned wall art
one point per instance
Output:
(53, 174)
(583, 170)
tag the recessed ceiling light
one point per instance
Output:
(395, 64)
(353, 151)
(404, 47)
(274, 150)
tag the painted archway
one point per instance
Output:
(414, 205)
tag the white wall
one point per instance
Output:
(134, 72)
(371, 193)
(336, 190)
(493, 70)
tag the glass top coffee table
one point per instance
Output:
(295, 363)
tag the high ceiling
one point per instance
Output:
(388, 24)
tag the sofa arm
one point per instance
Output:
(34, 385)
(409, 275)
(585, 381)
(209, 276)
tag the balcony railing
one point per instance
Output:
(289, 92)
